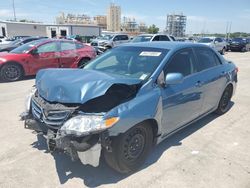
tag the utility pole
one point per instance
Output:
(14, 10)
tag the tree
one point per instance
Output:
(153, 29)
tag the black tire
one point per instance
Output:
(130, 150)
(243, 49)
(223, 51)
(83, 62)
(11, 72)
(224, 104)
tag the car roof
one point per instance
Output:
(165, 45)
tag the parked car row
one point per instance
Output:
(18, 42)
(106, 42)
(29, 58)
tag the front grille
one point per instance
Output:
(53, 118)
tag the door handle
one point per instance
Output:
(198, 84)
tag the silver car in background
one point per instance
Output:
(217, 43)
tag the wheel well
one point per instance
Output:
(231, 87)
(153, 123)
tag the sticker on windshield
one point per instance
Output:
(143, 77)
(154, 54)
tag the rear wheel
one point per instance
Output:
(244, 49)
(224, 103)
(11, 72)
(130, 150)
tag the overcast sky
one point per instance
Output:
(202, 15)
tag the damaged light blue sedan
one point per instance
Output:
(128, 99)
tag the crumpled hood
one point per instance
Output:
(76, 85)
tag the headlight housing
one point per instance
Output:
(85, 124)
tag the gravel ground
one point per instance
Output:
(213, 152)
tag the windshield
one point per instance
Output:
(133, 62)
(205, 40)
(25, 48)
(144, 38)
(105, 37)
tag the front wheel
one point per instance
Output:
(11, 72)
(223, 51)
(224, 104)
(130, 149)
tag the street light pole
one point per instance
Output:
(14, 10)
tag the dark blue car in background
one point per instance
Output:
(128, 99)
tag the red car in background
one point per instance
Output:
(29, 58)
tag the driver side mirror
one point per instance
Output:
(173, 78)
(170, 79)
(34, 51)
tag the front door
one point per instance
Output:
(47, 56)
(182, 102)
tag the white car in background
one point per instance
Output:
(103, 43)
(152, 38)
(217, 43)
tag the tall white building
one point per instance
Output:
(114, 18)
(176, 24)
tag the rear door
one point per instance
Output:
(124, 39)
(182, 102)
(68, 53)
(218, 44)
(213, 76)
(47, 56)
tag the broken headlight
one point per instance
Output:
(85, 124)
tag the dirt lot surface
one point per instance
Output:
(214, 152)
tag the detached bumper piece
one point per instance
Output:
(87, 149)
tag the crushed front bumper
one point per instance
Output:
(85, 148)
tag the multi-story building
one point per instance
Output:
(114, 18)
(101, 20)
(73, 19)
(176, 25)
(129, 25)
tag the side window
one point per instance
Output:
(124, 37)
(206, 58)
(164, 38)
(49, 47)
(182, 62)
(67, 46)
(79, 45)
(156, 38)
(117, 38)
